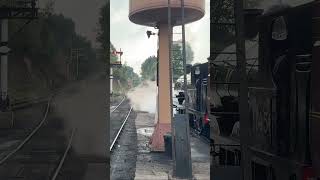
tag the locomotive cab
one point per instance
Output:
(279, 105)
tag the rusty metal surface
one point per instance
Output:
(146, 12)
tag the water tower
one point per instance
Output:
(154, 13)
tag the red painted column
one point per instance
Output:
(163, 125)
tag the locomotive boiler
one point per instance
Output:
(283, 103)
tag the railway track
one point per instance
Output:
(115, 108)
(118, 116)
(120, 130)
(42, 153)
(196, 134)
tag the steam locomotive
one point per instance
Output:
(282, 92)
(197, 96)
(197, 76)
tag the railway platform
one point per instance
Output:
(157, 165)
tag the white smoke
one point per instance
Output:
(82, 106)
(143, 97)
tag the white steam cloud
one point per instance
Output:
(143, 97)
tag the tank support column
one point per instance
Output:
(163, 125)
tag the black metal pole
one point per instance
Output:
(243, 103)
(170, 78)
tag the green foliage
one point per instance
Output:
(177, 63)
(127, 77)
(125, 74)
(103, 33)
(149, 68)
(47, 42)
(45, 36)
(222, 11)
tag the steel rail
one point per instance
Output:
(124, 122)
(29, 136)
(55, 175)
(118, 104)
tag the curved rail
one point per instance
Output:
(118, 104)
(124, 122)
(55, 175)
(30, 135)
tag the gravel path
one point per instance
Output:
(123, 157)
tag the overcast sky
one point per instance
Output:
(133, 41)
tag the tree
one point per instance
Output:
(42, 50)
(103, 32)
(177, 63)
(222, 11)
(124, 74)
(149, 68)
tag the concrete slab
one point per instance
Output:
(200, 154)
(201, 177)
(153, 177)
(154, 166)
(149, 165)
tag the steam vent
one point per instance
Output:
(154, 13)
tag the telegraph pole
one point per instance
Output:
(4, 63)
(75, 55)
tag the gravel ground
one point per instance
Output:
(115, 100)
(123, 157)
(81, 106)
(117, 118)
(149, 164)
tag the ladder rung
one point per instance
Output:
(225, 24)
(227, 113)
(223, 53)
(233, 60)
(220, 82)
